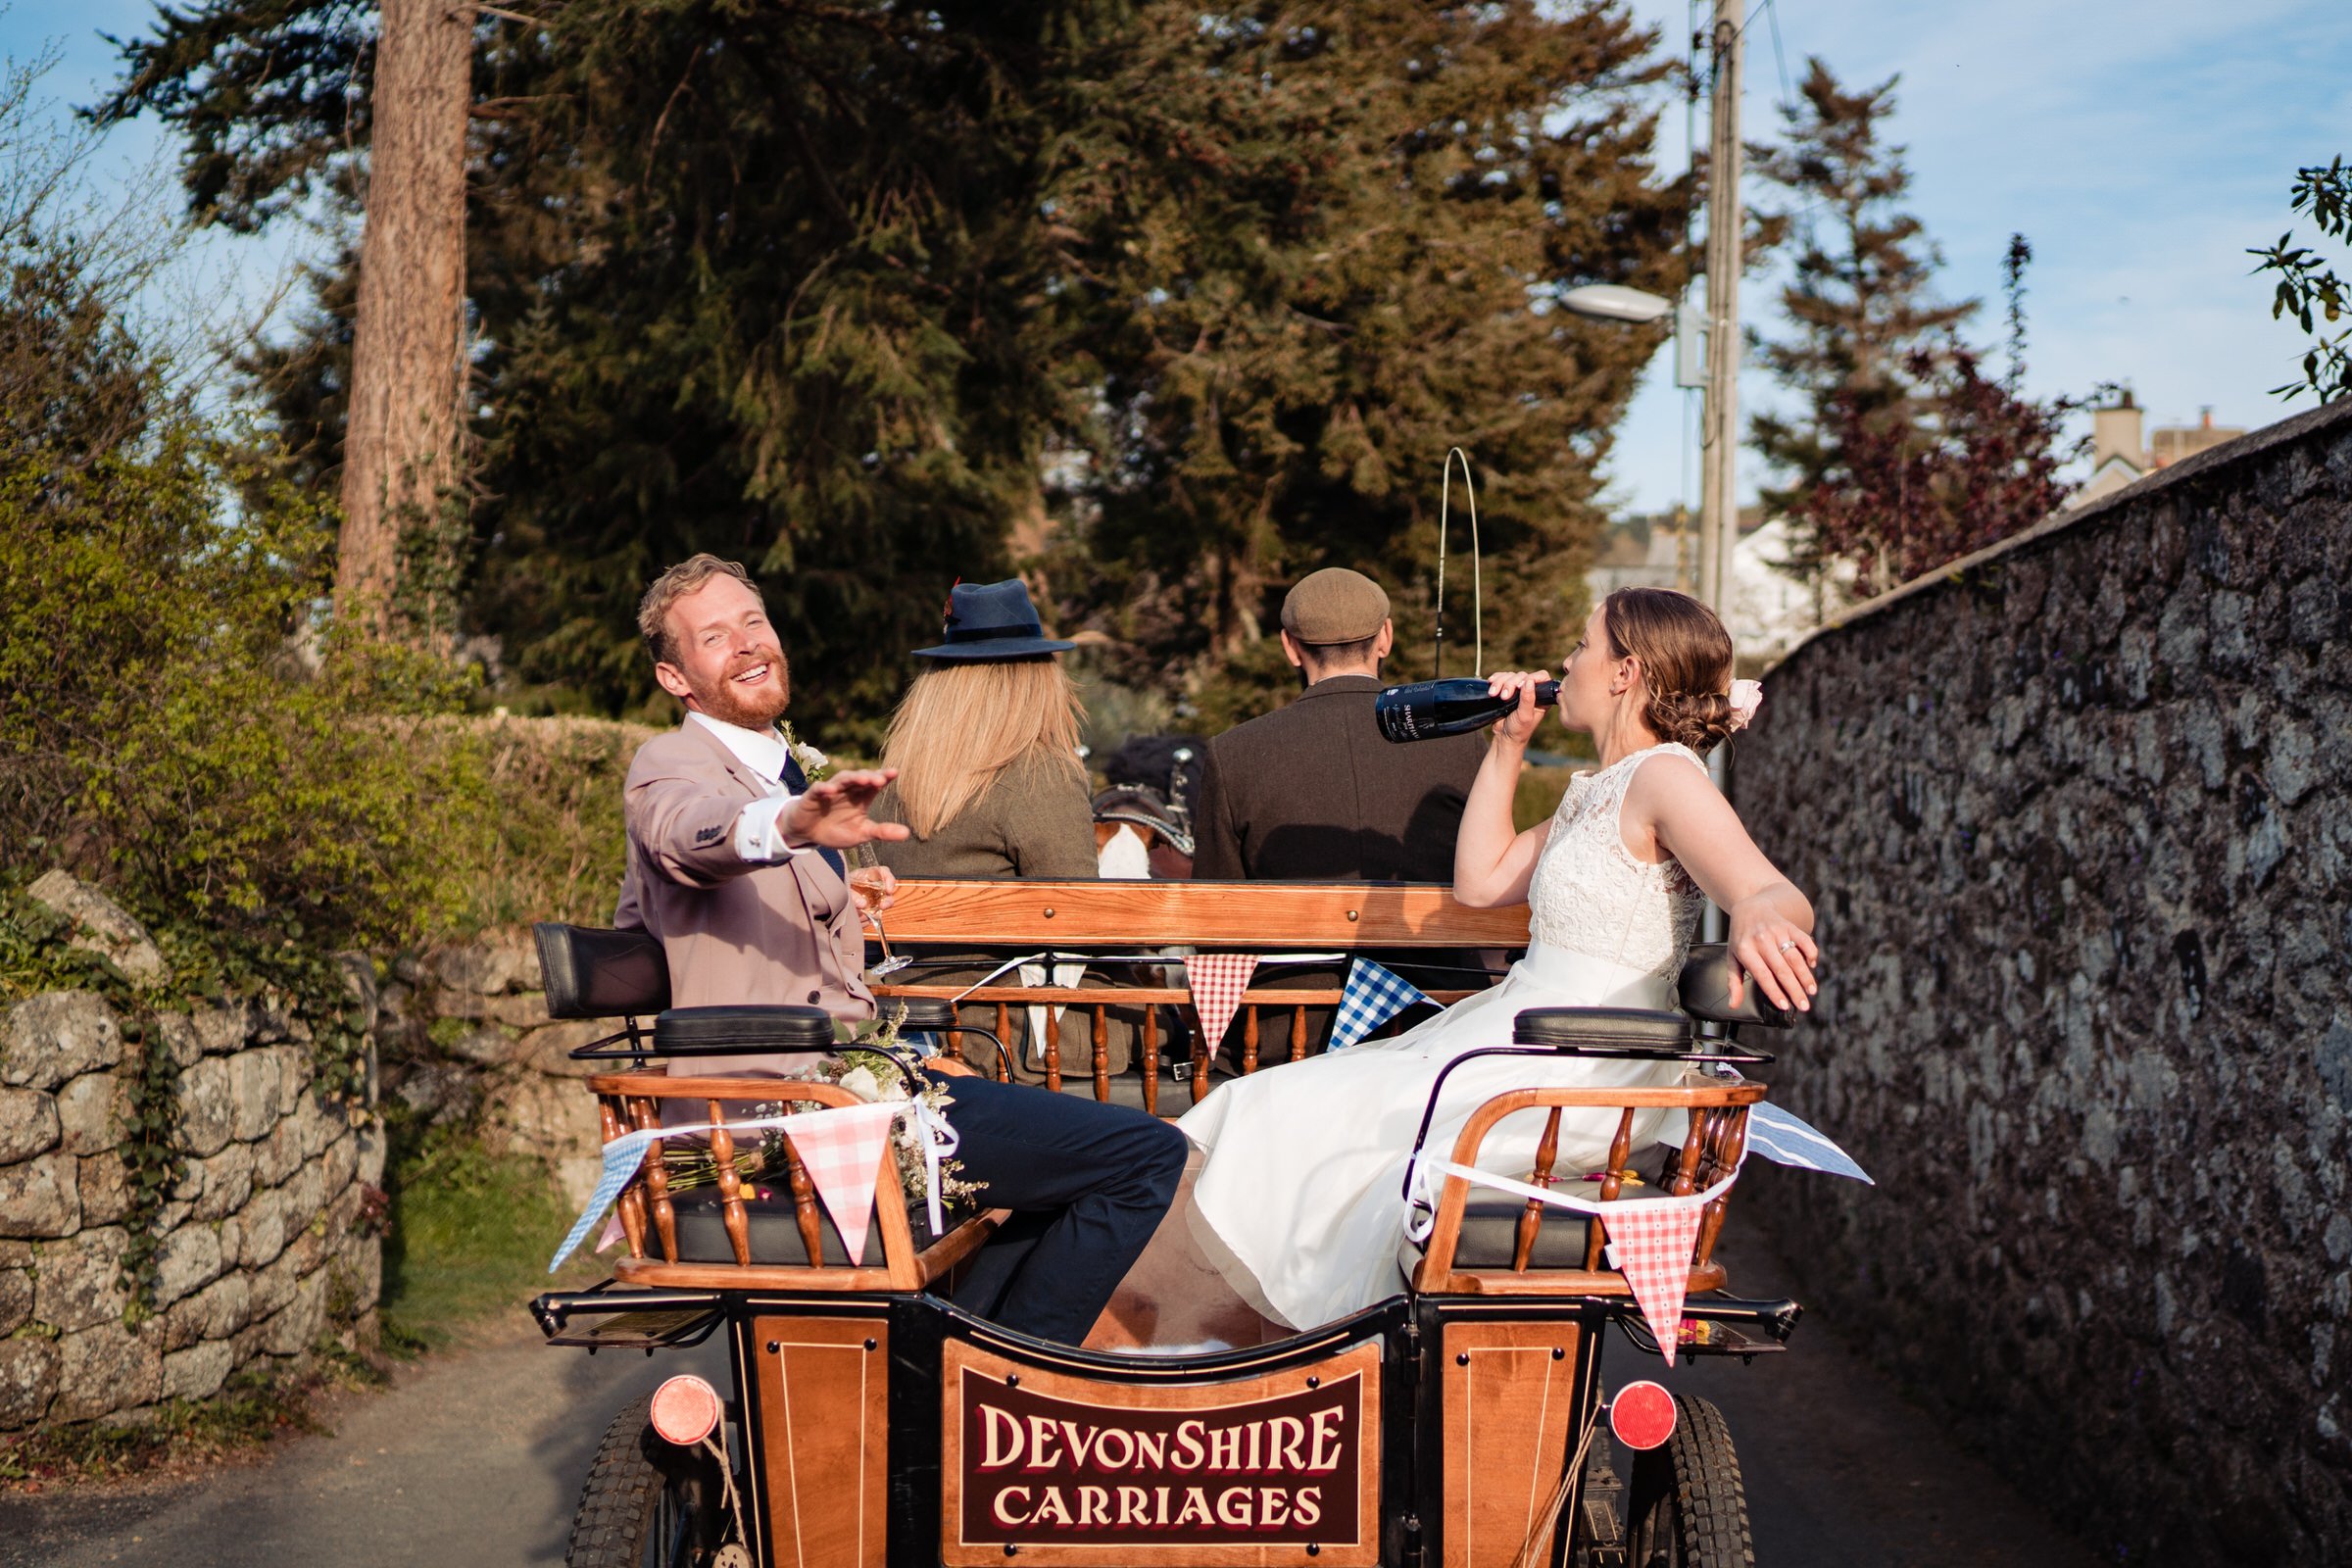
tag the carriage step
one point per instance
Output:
(600, 1318)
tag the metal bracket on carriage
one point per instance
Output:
(1721, 1326)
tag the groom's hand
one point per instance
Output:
(833, 814)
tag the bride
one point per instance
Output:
(1300, 1200)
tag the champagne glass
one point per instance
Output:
(865, 885)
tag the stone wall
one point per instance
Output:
(267, 1241)
(462, 1033)
(2077, 815)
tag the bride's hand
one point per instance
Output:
(1518, 727)
(1778, 952)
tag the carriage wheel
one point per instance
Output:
(1689, 1509)
(647, 1505)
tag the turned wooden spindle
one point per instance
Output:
(1249, 1037)
(1151, 1061)
(632, 1196)
(1686, 1175)
(730, 1184)
(1734, 1143)
(1612, 1182)
(1053, 1049)
(1531, 1220)
(804, 1205)
(647, 1113)
(1101, 1053)
(1201, 1047)
(1298, 1034)
(1004, 1040)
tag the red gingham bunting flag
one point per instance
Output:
(1650, 1243)
(842, 1149)
(1218, 980)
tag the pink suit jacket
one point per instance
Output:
(735, 932)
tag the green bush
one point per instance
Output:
(165, 726)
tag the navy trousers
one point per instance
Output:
(1088, 1184)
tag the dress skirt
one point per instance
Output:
(1299, 1201)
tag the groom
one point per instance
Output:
(733, 870)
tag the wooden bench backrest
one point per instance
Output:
(1256, 916)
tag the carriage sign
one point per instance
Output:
(1054, 1464)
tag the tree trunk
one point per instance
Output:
(400, 445)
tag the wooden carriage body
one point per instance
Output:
(884, 1427)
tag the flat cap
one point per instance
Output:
(1333, 606)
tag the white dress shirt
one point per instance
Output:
(758, 827)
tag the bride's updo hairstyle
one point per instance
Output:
(1686, 661)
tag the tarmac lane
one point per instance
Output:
(472, 1456)
(476, 1458)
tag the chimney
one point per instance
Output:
(2205, 418)
(2115, 434)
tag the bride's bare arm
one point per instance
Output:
(1678, 809)
(1493, 863)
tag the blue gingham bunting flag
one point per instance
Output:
(1785, 1140)
(1374, 995)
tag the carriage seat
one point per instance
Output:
(593, 973)
(1490, 1233)
(775, 1229)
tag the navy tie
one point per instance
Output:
(798, 782)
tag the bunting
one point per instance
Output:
(1374, 995)
(1217, 981)
(842, 1149)
(1650, 1243)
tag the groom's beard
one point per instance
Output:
(755, 706)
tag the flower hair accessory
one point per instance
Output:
(1746, 697)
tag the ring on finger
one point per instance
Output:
(1788, 943)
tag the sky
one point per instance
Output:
(2140, 145)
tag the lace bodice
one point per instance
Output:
(1590, 896)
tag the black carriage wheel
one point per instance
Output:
(646, 1505)
(1687, 1508)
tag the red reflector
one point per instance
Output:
(685, 1409)
(1641, 1415)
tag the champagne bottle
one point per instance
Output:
(1429, 709)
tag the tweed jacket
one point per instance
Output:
(735, 932)
(1311, 792)
(1034, 821)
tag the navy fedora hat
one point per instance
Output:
(993, 621)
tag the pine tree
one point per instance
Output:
(1860, 298)
(862, 293)
(1331, 233)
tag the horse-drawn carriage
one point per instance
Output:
(1461, 1423)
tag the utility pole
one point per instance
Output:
(1719, 445)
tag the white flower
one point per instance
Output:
(861, 1083)
(812, 761)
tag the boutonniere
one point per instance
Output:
(814, 765)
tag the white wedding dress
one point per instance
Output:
(1300, 1200)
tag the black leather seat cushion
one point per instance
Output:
(591, 973)
(720, 1031)
(1602, 1026)
(1705, 988)
(775, 1229)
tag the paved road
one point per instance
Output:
(475, 1457)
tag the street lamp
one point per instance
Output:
(1614, 302)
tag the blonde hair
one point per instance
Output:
(960, 724)
(687, 576)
